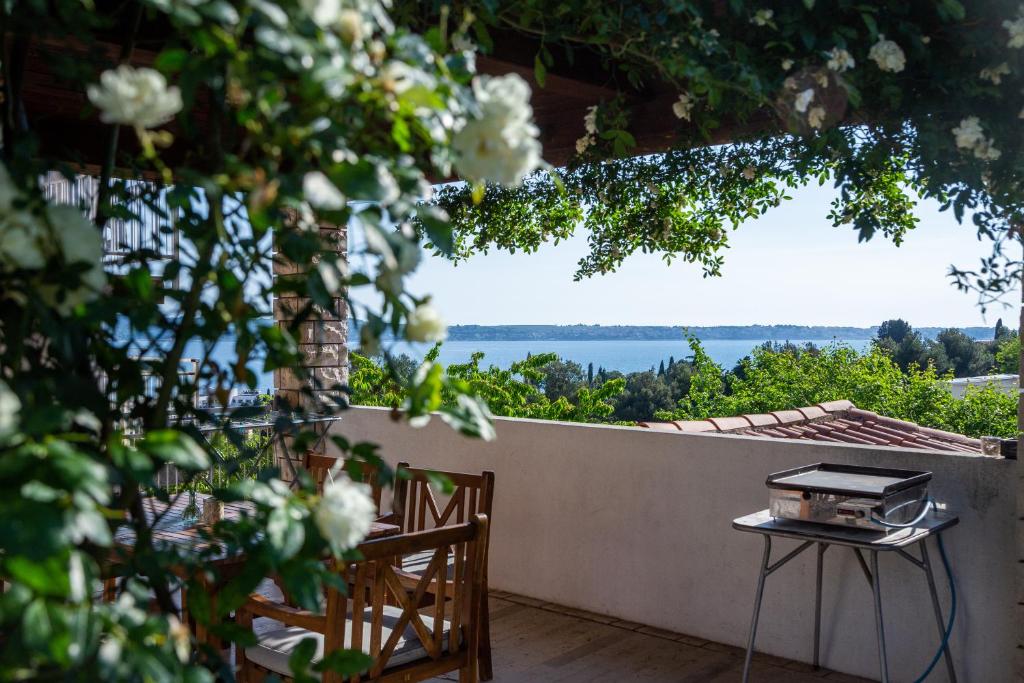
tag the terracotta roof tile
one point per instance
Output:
(787, 416)
(762, 419)
(834, 406)
(832, 421)
(728, 424)
(812, 412)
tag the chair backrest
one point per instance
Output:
(374, 584)
(421, 504)
(318, 465)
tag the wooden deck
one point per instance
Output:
(541, 642)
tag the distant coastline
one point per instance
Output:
(664, 332)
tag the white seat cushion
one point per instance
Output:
(274, 648)
(417, 563)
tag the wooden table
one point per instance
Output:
(172, 531)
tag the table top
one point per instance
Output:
(763, 523)
(173, 530)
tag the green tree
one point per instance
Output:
(1007, 357)
(562, 378)
(968, 357)
(895, 330)
(901, 343)
(784, 379)
(645, 394)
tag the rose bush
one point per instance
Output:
(252, 127)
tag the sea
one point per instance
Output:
(624, 355)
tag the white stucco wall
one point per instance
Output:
(636, 524)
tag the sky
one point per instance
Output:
(789, 267)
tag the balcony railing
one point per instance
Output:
(120, 237)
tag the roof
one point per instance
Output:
(834, 421)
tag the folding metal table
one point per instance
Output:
(860, 541)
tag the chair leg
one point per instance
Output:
(466, 675)
(486, 669)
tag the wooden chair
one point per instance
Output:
(404, 644)
(420, 505)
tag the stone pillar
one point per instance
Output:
(322, 342)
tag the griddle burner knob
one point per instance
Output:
(859, 514)
(806, 495)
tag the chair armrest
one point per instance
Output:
(261, 606)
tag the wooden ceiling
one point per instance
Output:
(77, 136)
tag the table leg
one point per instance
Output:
(883, 664)
(926, 561)
(757, 606)
(817, 606)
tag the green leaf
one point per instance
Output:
(285, 532)
(345, 662)
(438, 228)
(540, 72)
(301, 657)
(171, 60)
(175, 447)
(869, 21)
(36, 625)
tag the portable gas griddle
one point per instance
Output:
(870, 510)
(848, 495)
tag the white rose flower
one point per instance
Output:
(749, 173)
(816, 117)
(995, 73)
(839, 60)
(970, 136)
(803, 100)
(762, 17)
(683, 106)
(344, 512)
(787, 64)
(425, 324)
(324, 13)
(887, 55)
(583, 143)
(501, 143)
(1015, 27)
(969, 133)
(10, 406)
(135, 97)
(321, 193)
(986, 151)
(590, 120)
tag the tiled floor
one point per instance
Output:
(540, 642)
